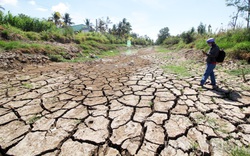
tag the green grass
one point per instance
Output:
(238, 72)
(162, 49)
(27, 85)
(151, 104)
(11, 45)
(177, 69)
(56, 58)
(109, 53)
(240, 152)
(246, 88)
(77, 121)
(34, 119)
(194, 146)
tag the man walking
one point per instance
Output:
(211, 63)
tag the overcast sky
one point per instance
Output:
(147, 17)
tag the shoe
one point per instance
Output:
(201, 85)
(215, 87)
(211, 84)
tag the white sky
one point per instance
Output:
(147, 17)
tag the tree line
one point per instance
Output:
(122, 30)
(242, 11)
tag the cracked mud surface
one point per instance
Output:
(126, 105)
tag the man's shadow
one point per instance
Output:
(226, 94)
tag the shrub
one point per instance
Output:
(187, 37)
(201, 44)
(5, 34)
(25, 22)
(68, 31)
(56, 58)
(111, 38)
(243, 46)
(97, 39)
(45, 36)
(238, 35)
(171, 40)
(85, 46)
(10, 45)
(80, 38)
(33, 36)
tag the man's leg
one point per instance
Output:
(213, 81)
(212, 76)
(209, 69)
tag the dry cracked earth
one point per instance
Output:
(125, 105)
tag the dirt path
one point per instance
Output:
(124, 105)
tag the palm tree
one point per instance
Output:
(119, 29)
(102, 25)
(124, 27)
(67, 19)
(114, 30)
(2, 7)
(89, 24)
(107, 22)
(56, 16)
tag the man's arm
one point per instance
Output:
(213, 52)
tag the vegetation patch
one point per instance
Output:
(34, 119)
(176, 69)
(162, 49)
(240, 151)
(28, 47)
(238, 72)
(109, 53)
(235, 42)
(56, 58)
(27, 85)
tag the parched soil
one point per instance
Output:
(124, 105)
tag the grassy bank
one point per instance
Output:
(236, 43)
(97, 44)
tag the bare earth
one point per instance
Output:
(125, 105)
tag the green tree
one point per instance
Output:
(122, 29)
(163, 34)
(67, 19)
(119, 29)
(243, 6)
(101, 25)
(209, 28)
(107, 23)
(126, 27)
(134, 35)
(89, 24)
(25, 22)
(201, 29)
(56, 16)
(188, 37)
(113, 31)
(2, 7)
